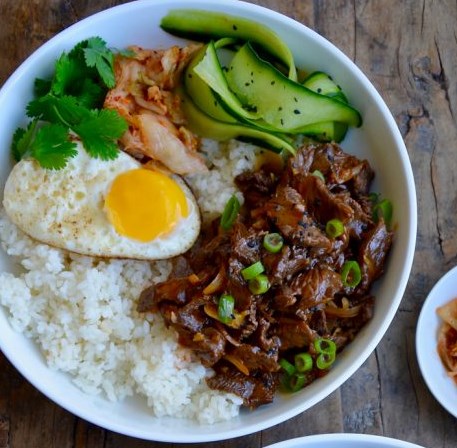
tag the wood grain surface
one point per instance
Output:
(408, 49)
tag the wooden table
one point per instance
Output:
(408, 49)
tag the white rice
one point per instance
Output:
(226, 160)
(81, 311)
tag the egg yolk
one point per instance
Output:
(144, 204)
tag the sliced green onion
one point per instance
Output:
(252, 271)
(303, 362)
(288, 367)
(383, 208)
(351, 274)
(324, 345)
(334, 228)
(325, 360)
(259, 284)
(319, 174)
(273, 242)
(297, 381)
(225, 308)
(230, 212)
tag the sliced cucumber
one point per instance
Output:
(210, 71)
(325, 132)
(205, 126)
(323, 83)
(283, 103)
(207, 25)
(202, 94)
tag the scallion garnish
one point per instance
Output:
(225, 308)
(334, 228)
(230, 213)
(252, 271)
(383, 208)
(273, 242)
(324, 345)
(303, 362)
(287, 366)
(351, 274)
(327, 353)
(325, 360)
(259, 284)
(297, 381)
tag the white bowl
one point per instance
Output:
(343, 441)
(438, 381)
(378, 140)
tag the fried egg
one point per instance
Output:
(113, 208)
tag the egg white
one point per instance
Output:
(65, 209)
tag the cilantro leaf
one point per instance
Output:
(70, 102)
(43, 108)
(68, 72)
(97, 55)
(52, 147)
(100, 132)
(65, 110)
(42, 86)
(22, 140)
(92, 95)
(73, 77)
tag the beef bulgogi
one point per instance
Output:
(247, 308)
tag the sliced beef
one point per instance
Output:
(246, 244)
(286, 264)
(265, 385)
(254, 358)
(362, 218)
(316, 286)
(305, 298)
(288, 213)
(320, 202)
(255, 390)
(208, 345)
(256, 186)
(192, 316)
(342, 168)
(373, 252)
(294, 333)
(174, 290)
(233, 381)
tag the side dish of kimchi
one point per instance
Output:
(447, 337)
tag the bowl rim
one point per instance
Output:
(412, 225)
(308, 441)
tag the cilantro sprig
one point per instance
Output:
(69, 106)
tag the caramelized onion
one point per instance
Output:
(238, 363)
(216, 284)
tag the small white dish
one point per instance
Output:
(438, 381)
(344, 441)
